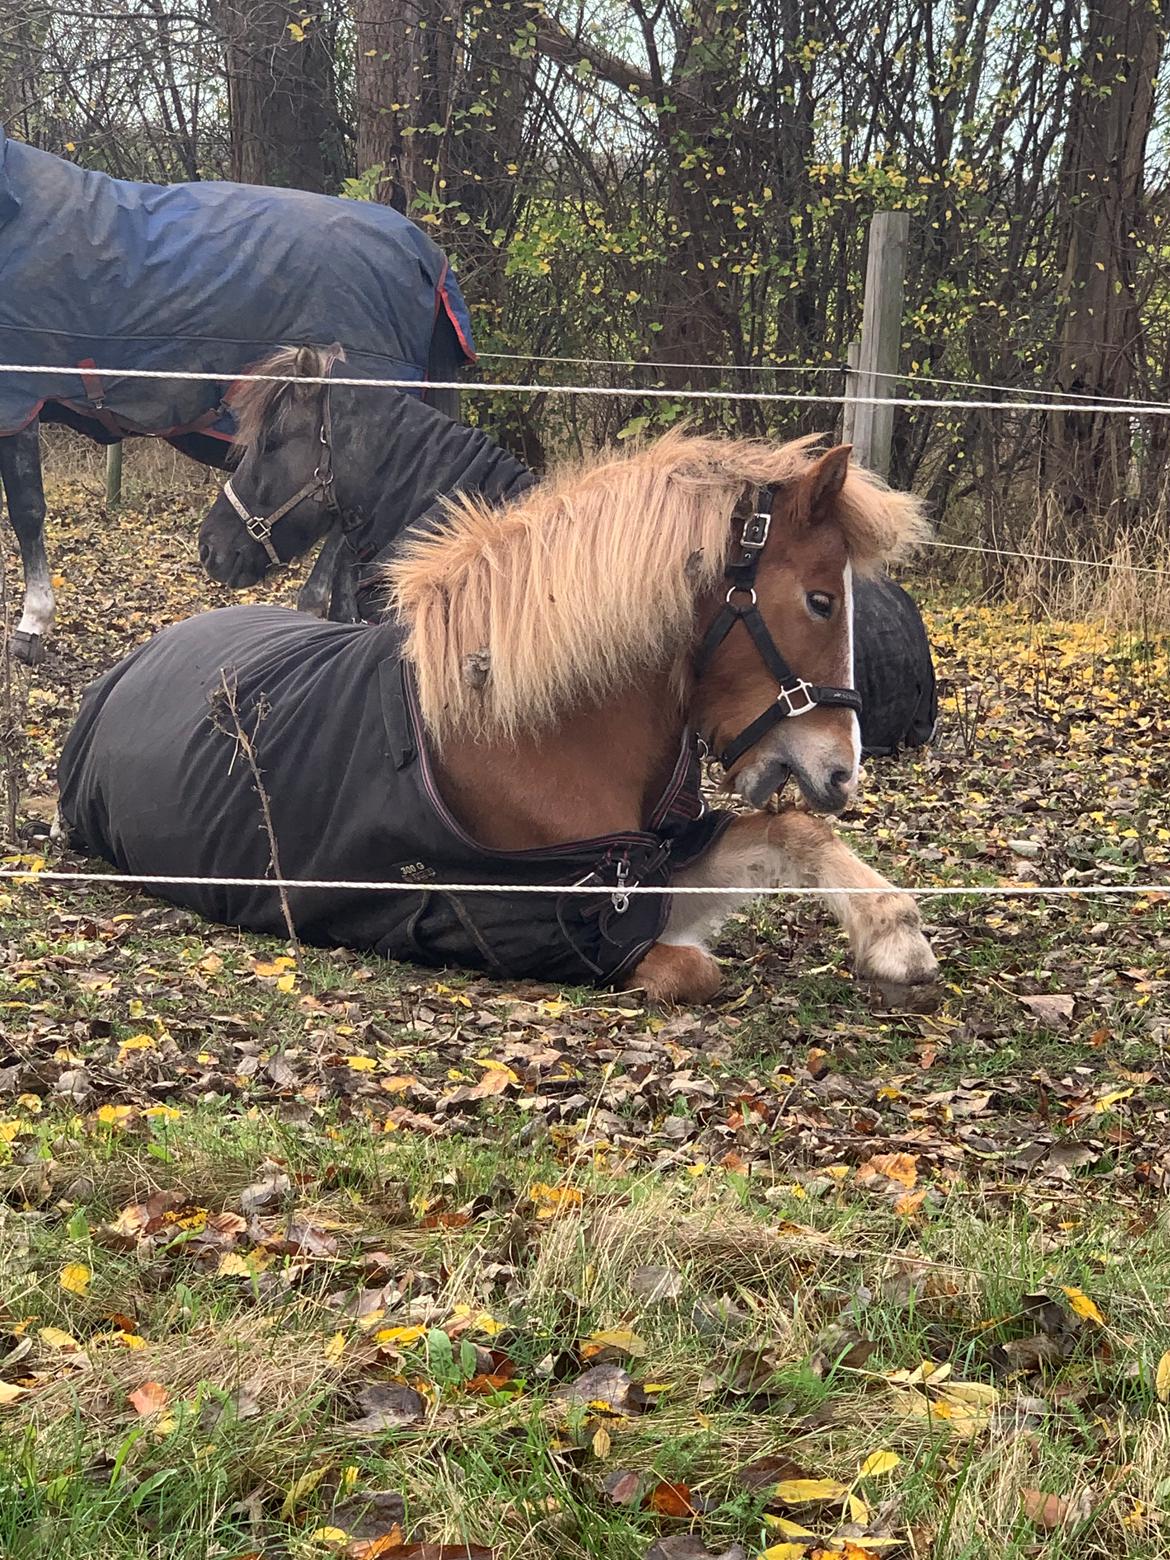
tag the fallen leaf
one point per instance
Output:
(1082, 1305)
(55, 1338)
(653, 1285)
(301, 1487)
(622, 1486)
(607, 1385)
(766, 1471)
(878, 1463)
(75, 1278)
(150, 1398)
(800, 1492)
(388, 1406)
(671, 1500)
(1162, 1378)
(902, 1168)
(9, 1393)
(787, 1529)
(618, 1340)
(785, 1551)
(687, 1546)
(1056, 1511)
(1053, 1011)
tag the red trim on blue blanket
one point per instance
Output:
(469, 351)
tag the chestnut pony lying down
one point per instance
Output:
(531, 712)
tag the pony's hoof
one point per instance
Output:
(900, 956)
(676, 973)
(29, 649)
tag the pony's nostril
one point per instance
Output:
(841, 778)
(204, 553)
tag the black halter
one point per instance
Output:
(320, 484)
(795, 695)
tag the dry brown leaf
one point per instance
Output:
(1056, 1511)
(671, 1500)
(1055, 1012)
(150, 1398)
(902, 1168)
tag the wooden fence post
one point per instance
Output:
(849, 408)
(113, 475)
(881, 334)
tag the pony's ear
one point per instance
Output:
(308, 362)
(824, 480)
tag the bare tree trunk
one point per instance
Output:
(404, 52)
(280, 93)
(18, 58)
(1102, 192)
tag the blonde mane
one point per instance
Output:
(591, 578)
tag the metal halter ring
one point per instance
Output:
(742, 590)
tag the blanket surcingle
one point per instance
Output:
(152, 780)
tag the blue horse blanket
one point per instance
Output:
(102, 273)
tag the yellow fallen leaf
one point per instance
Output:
(361, 1063)
(136, 1043)
(286, 983)
(9, 1393)
(1108, 1101)
(620, 1339)
(233, 1265)
(796, 1492)
(301, 1487)
(74, 1278)
(784, 1552)
(1082, 1305)
(1162, 1378)
(331, 1537)
(10, 1130)
(878, 1463)
(785, 1528)
(972, 1394)
(858, 1510)
(551, 1200)
(335, 1347)
(601, 1442)
(402, 1335)
(54, 1338)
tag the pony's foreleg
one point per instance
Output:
(789, 849)
(316, 594)
(20, 472)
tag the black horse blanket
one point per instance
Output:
(102, 272)
(893, 670)
(153, 778)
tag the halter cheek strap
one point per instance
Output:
(794, 696)
(259, 527)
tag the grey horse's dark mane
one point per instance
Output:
(256, 403)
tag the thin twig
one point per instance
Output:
(227, 697)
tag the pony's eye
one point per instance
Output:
(820, 603)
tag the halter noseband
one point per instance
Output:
(259, 527)
(795, 696)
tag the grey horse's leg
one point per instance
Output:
(316, 594)
(20, 473)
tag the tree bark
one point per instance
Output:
(1101, 344)
(284, 127)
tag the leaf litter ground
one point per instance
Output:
(313, 1255)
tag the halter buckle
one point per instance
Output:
(790, 692)
(755, 531)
